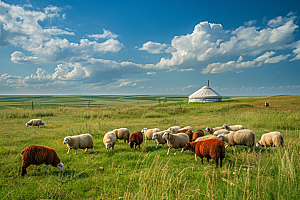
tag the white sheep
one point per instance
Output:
(221, 131)
(207, 137)
(233, 128)
(174, 128)
(149, 132)
(158, 137)
(242, 137)
(212, 130)
(35, 122)
(109, 140)
(273, 139)
(176, 141)
(83, 141)
(122, 133)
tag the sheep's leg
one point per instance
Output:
(216, 161)
(24, 170)
(68, 151)
(207, 160)
(249, 149)
(202, 160)
(124, 141)
(156, 145)
(47, 166)
(85, 150)
(233, 148)
(169, 150)
(253, 148)
(220, 162)
(75, 151)
(196, 157)
(226, 146)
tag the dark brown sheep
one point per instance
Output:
(135, 139)
(196, 134)
(186, 131)
(210, 149)
(37, 155)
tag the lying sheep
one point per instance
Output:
(212, 130)
(233, 128)
(176, 141)
(210, 149)
(122, 133)
(35, 122)
(149, 133)
(272, 139)
(110, 140)
(207, 137)
(135, 139)
(186, 131)
(158, 138)
(37, 155)
(242, 137)
(196, 134)
(174, 128)
(83, 141)
(225, 131)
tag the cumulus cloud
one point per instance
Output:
(106, 34)
(156, 48)
(187, 70)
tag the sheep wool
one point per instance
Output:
(242, 137)
(174, 128)
(196, 134)
(83, 141)
(135, 139)
(149, 133)
(186, 131)
(210, 149)
(272, 139)
(122, 133)
(221, 131)
(38, 155)
(35, 122)
(158, 138)
(176, 141)
(109, 140)
(188, 127)
(207, 137)
(212, 130)
(233, 128)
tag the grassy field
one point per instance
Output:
(147, 173)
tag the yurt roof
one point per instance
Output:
(205, 93)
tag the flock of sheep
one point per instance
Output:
(210, 146)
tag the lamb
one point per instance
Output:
(221, 131)
(273, 139)
(158, 138)
(83, 141)
(135, 139)
(242, 137)
(122, 133)
(186, 131)
(37, 155)
(109, 140)
(233, 128)
(196, 134)
(174, 128)
(149, 133)
(207, 137)
(35, 122)
(212, 130)
(212, 148)
(176, 141)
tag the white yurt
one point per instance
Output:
(205, 94)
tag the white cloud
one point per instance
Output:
(106, 34)
(151, 73)
(277, 59)
(250, 23)
(187, 70)
(156, 48)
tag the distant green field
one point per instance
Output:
(147, 173)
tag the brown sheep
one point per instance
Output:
(136, 138)
(37, 155)
(196, 134)
(186, 131)
(212, 148)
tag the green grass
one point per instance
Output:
(149, 173)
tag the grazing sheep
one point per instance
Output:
(135, 139)
(158, 138)
(122, 133)
(225, 131)
(207, 137)
(196, 134)
(242, 137)
(83, 141)
(233, 128)
(210, 149)
(149, 132)
(176, 141)
(273, 139)
(110, 140)
(35, 122)
(37, 155)
(267, 104)
(212, 130)
(174, 128)
(186, 131)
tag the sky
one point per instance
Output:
(244, 48)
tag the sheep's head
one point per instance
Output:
(225, 126)
(143, 130)
(166, 135)
(132, 143)
(66, 140)
(154, 136)
(258, 144)
(186, 147)
(60, 166)
(208, 129)
(44, 124)
(107, 145)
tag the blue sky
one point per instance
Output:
(149, 47)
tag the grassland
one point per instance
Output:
(148, 173)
